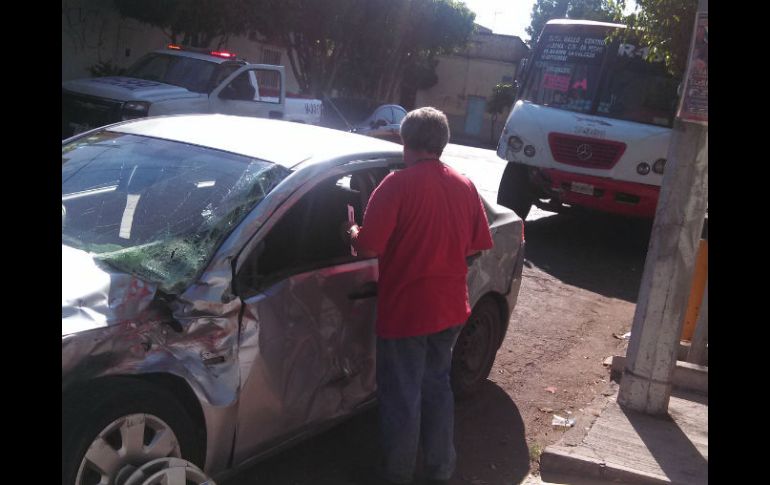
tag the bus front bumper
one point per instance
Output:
(598, 193)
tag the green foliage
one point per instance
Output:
(194, 22)
(503, 96)
(366, 47)
(545, 10)
(666, 26)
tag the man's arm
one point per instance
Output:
(371, 239)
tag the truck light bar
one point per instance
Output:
(223, 54)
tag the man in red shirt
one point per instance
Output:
(422, 223)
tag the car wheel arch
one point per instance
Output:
(170, 383)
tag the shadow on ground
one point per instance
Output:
(489, 435)
(601, 253)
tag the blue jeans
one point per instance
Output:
(416, 404)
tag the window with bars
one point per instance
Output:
(270, 56)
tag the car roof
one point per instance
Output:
(282, 142)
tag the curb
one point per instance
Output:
(569, 461)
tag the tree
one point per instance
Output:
(317, 35)
(365, 47)
(545, 10)
(503, 96)
(412, 34)
(196, 23)
(666, 26)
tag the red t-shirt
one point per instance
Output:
(422, 222)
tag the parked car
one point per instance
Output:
(179, 80)
(211, 310)
(364, 117)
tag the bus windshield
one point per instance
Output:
(577, 70)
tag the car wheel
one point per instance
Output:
(111, 432)
(476, 347)
(515, 190)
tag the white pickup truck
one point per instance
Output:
(179, 80)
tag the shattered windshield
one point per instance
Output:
(154, 208)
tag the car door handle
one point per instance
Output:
(367, 290)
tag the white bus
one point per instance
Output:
(591, 124)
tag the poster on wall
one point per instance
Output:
(695, 98)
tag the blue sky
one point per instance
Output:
(510, 17)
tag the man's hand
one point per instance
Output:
(348, 231)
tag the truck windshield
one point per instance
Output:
(578, 70)
(192, 74)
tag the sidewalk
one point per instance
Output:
(623, 446)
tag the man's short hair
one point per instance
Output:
(425, 129)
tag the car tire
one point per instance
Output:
(96, 420)
(515, 191)
(476, 347)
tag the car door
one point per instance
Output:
(307, 331)
(252, 90)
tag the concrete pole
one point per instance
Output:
(665, 287)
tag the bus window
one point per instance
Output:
(637, 90)
(566, 71)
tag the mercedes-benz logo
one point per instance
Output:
(584, 151)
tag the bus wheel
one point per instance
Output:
(515, 191)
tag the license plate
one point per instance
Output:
(582, 188)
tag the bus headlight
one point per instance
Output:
(643, 168)
(515, 143)
(529, 151)
(659, 165)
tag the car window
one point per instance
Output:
(398, 115)
(308, 235)
(262, 85)
(241, 88)
(222, 72)
(384, 114)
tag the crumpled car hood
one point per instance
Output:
(94, 295)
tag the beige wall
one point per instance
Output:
(462, 77)
(487, 61)
(92, 31)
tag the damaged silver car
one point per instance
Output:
(211, 310)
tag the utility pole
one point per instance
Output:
(665, 287)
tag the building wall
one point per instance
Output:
(464, 78)
(92, 32)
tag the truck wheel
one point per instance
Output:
(110, 433)
(515, 191)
